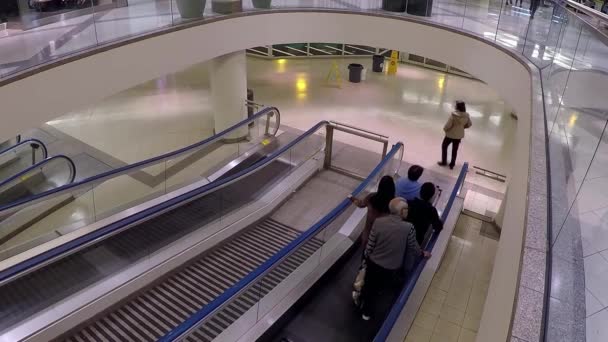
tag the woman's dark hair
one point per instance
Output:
(460, 106)
(385, 193)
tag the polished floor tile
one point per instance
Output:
(453, 304)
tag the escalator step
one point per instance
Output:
(162, 307)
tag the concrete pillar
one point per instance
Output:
(228, 76)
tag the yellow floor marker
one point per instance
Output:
(335, 75)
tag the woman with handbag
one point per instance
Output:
(454, 132)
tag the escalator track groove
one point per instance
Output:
(160, 308)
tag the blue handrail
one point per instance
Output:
(396, 309)
(28, 141)
(139, 165)
(40, 164)
(188, 324)
(126, 222)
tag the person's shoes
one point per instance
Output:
(366, 317)
(451, 167)
(441, 164)
(531, 17)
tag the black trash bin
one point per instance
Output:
(421, 8)
(378, 63)
(393, 5)
(354, 72)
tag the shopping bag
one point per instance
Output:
(359, 280)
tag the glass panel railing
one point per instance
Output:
(46, 175)
(68, 208)
(280, 161)
(412, 277)
(19, 157)
(146, 239)
(576, 124)
(261, 289)
(39, 35)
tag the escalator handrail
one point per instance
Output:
(409, 285)
(145, 163)
(24, 142)
(263, 269)
(95, 236)
(40, 164)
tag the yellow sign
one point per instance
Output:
(392, 64)
(334, 73)
(265, 142)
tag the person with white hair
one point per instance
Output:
(390, 240)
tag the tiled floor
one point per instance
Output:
(481, 204)
(452, 308)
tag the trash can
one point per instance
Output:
(421, 8)
(354, 72)
(394, 5)
(378, 63)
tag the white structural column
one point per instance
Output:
(228, 76)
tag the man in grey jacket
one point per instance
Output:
(454, 132)
(390, 240)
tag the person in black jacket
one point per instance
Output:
(422, 214)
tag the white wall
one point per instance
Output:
(36, 99)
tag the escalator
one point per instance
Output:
(49, 174)
(152, 314)
(16, 158)
(31, 286)
(177, 255)
(160, 308)
(43, 204)
(326, 311)
(32, 293)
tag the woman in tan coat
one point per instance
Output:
(454, 132)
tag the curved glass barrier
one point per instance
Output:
(46, 175)
(53, 212)
(316, 243)
(19, 157)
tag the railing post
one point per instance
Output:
(329, 139)
(34, 148)
(384, 149)
(268, 123)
